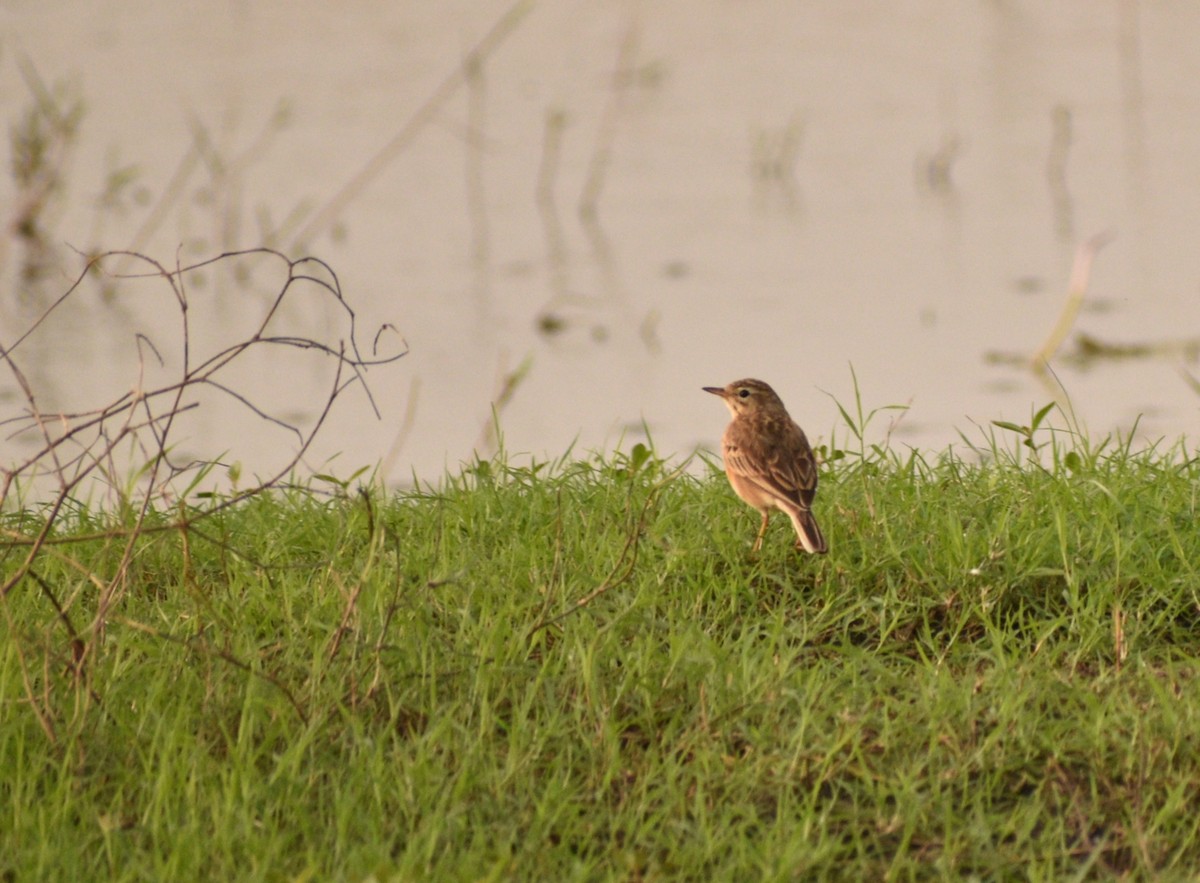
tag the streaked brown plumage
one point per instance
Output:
(768, 459)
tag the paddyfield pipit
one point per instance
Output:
(768, 460)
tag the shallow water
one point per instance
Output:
(781, 190)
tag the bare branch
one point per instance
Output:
(141, 423)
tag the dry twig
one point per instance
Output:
(81, 446)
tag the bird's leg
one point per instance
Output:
(762, 530)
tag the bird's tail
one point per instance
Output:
(807, 530)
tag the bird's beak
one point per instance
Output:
(715, 390)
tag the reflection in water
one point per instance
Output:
(547, 204)
(188, 391)
(571, 193)
(476, 140)
(1056, 173)
(564, 294)
(42, 140)
(935, 172)
(1135, 137)
(606, 130)
(775, 153)
(335, 208)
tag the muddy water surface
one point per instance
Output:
(631, 200)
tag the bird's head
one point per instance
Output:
(746, 396)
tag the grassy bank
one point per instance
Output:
(575, 671)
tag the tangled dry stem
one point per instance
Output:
(74, 448)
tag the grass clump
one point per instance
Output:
(574, 670)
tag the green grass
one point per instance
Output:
(994, 673)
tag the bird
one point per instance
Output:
(769, 461)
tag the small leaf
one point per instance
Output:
(849, 420)
(1040, 416)
(638, 457)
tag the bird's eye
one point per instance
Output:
(743, 393)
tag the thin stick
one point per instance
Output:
(406, 425)
(1080, 273)
(347, 613)
(626, 561)
(606, 133)
(325, 217)
(200, 646)
(489, 435)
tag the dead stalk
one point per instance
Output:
(1081, 272)
(78, 447)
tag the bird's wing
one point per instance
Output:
(789, 472)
